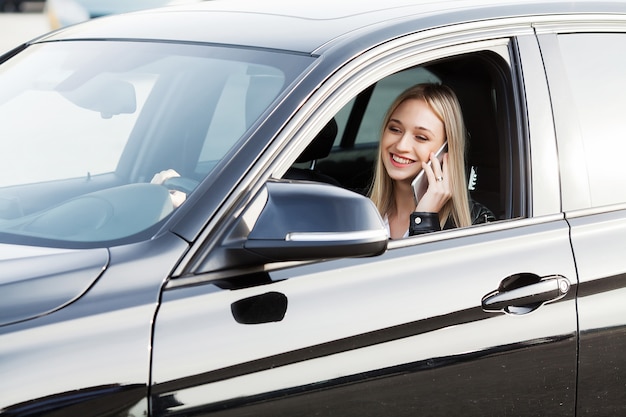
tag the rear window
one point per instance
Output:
(596, 70)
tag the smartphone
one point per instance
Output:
(420, 183)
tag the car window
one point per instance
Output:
(95, 132)
(64, 154)
(596, 76)
(484, 91)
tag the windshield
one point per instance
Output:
(100, 141)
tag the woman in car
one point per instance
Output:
(415, 127)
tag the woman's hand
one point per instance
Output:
(439, 190)
(177, 197)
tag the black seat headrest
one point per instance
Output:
(321, 146)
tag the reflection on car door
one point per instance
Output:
(589, 109)
(401, 334)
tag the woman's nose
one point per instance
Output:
(404, 143)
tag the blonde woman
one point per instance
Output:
(416, 125)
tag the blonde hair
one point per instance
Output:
(444, 103)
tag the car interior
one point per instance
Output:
(482, 87)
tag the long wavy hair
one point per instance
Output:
(445, 105)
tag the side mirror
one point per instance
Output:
(306, 221)
(300, 221)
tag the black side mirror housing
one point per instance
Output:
(309, 221)
(299, 221)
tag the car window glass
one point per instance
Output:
(96, 132)
(235, 110)
(46, 139)
(595, 70)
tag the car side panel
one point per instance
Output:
(588, 110)
(399, 334)
(90, 357)
(599, 244)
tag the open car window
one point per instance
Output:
(482, 83)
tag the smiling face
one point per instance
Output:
(412, 133)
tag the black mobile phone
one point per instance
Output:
(420, 183)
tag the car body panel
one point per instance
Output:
(95, 349)
(601, 309)
(26, 293)
(543, 173)
(393, 331)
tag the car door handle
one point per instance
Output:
(258, 309)
(523, 293)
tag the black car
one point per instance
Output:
(185, 228)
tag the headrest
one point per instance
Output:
(321, 146)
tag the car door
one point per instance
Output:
(478, 321)
(589, 112)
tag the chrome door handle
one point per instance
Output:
(523, 293)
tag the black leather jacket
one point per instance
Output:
(425, 222)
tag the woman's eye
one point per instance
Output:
(394, 129)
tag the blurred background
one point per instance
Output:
(23, 20)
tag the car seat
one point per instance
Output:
(319, 148)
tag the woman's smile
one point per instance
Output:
(400, 161)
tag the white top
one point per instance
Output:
(386, 220)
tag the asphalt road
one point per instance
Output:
(16, 28)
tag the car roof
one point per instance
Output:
(310, 26)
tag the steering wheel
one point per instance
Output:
(183, 184)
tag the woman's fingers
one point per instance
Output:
(439, 190)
